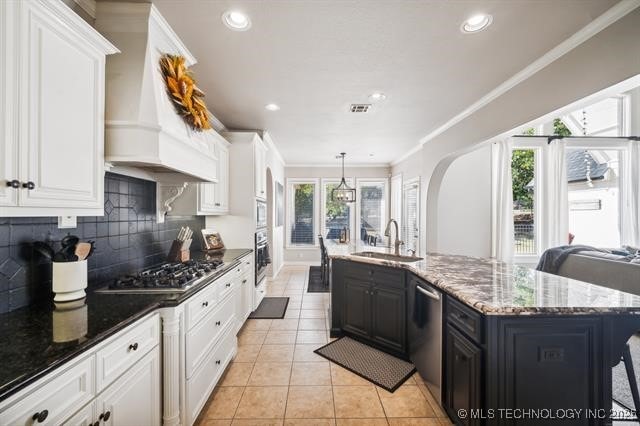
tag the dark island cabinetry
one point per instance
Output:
(371, 305)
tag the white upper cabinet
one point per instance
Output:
(204, 199)
(260, 174)
(53, 111)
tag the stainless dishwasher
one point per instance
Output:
(425, 333)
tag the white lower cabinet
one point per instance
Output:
(84, 417)
(134, 399)
(70, 395)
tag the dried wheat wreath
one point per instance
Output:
(187, 98)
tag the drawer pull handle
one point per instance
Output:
(217, 322)
(13, 183)
(29, 185)
(105, 416)
(41, 416)
(248, 263)
(205, 304)
(228, 285)
(461, 316)
(217, 204)
(133, 347)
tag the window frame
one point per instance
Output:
(290, 182)
(536, 145)
(410, 184)
(323, 206)
(363, 182)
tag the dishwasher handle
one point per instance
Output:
(432, 294)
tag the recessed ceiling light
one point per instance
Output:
(236, 20)
(476, 23)
(272, 107)
(377, 96)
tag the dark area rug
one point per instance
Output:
(621, 389)
(315, 281)
(271, 308)
(376, 366)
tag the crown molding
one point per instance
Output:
(88, 6)
(346, 166)
(612, 15)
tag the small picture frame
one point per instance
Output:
(212, 240)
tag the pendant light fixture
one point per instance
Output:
(343, 193)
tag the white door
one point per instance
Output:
(85, 417)
(8, 97)
(207, 197)
(134, 399)
(260, 171)
(221, 189)
(61, 116)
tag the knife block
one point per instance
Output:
(178, 253)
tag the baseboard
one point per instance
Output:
(301, 263)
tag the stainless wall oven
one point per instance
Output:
(261, 214)
(262, 259)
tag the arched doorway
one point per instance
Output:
(270, 219)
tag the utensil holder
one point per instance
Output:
(69, 280)
(178, 252)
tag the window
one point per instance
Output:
(338, 217)
(411, 215)
(372, 209)
(594, 196)
(523, 166)
(302, 217)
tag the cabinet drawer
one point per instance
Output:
(227, 284)
(201, 338)
(125, 350)
(200, 385)
(201, 304)
(386, 277)
(59, 397)
(466, 319)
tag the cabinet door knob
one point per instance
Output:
(228, 285)
(205, 304)
(41, 416)
(217, 322)
(105, 416)
(96, 423)
(218, 362)
(29, 185)
(13, 183)
(244, 281)
(217, 204)
(133, 347)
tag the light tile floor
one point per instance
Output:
(276, 379)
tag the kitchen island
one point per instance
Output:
(508, 337)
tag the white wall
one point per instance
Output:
(610, 56)
(311, 255)
(464, 205)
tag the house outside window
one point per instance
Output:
(337, 217)
(302, 220)
(372, 209)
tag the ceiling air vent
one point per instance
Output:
(359, 107)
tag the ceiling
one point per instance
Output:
(315, 57)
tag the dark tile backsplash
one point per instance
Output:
(127, 239)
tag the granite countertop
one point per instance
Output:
(27, 347)
(496, 288)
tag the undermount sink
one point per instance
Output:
(387, 256)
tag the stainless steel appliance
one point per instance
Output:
(425, 333)
(167, 278)
(261, 214)
(262, 259)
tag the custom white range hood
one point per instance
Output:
(143, 129)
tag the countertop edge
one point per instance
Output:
(481, 307)
(20, 383)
